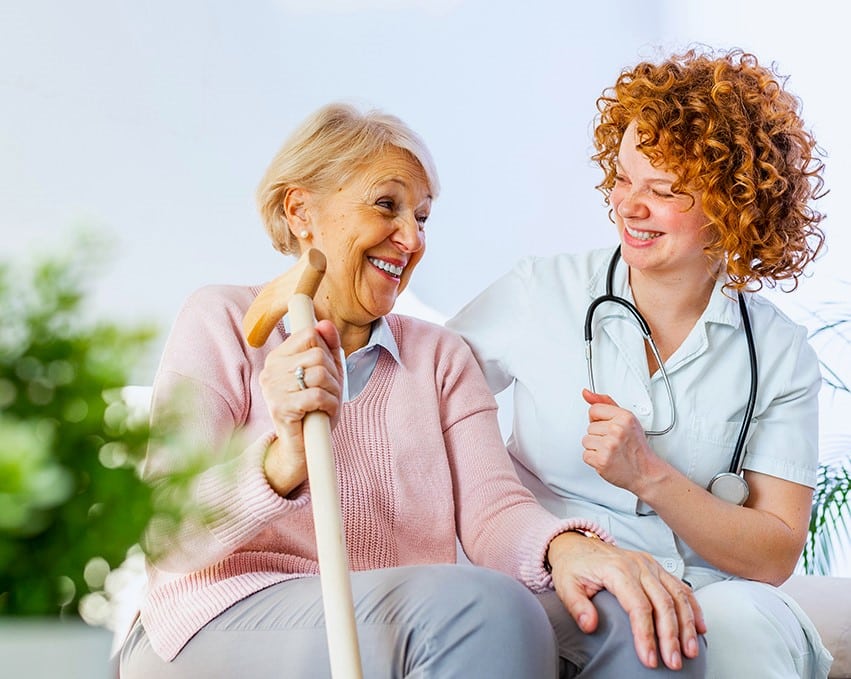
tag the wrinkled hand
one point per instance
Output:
(663, 612)
(616, 445)
(316, 350)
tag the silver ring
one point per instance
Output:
(299, 377)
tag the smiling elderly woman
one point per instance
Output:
(418, 451)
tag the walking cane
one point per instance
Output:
(293, 292)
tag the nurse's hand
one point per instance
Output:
(616, 445)
(663, 612)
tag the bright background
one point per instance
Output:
(154, 122)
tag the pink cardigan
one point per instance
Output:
(419, 454)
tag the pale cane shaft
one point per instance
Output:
(330, 541)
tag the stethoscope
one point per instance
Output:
(730, 485)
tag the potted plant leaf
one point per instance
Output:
(830, 518)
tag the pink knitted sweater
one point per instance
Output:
(419, 456)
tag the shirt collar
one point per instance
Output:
(380, 336)
(722, 307)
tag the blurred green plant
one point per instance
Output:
(70, 448)
(830, 516)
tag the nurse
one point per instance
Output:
(710, 176)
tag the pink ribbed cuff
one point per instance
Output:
(543, 579)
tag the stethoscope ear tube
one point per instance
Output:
(645, 331)
(643, 325)
(738, 454)
(730, 486)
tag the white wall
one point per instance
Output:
(155, 120)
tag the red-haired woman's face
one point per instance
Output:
(659, 230)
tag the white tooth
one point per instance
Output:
(386, 266)
(643, 235)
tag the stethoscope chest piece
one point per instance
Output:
(730, 487)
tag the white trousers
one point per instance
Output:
(753, 633)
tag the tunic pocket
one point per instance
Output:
(710, 447)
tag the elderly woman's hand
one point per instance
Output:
(316, 351)
(663, 611)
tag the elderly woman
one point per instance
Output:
(419, 456)
(710, 174)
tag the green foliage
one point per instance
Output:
(69, 448)
(830, 518)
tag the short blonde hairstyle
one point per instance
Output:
(724, 125)
(325, 152)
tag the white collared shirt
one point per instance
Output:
(360, 364)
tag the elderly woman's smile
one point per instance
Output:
(371, 230)
(388, 267)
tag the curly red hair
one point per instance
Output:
(726, 127)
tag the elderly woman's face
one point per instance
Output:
(371, 230)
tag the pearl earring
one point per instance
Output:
(304, 234)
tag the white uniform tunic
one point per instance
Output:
(526, 330)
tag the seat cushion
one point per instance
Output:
(827, 600)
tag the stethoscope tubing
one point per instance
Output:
(737, 458)
(736, 462)
(645, 331)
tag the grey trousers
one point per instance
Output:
(609, 652)
(437, 621)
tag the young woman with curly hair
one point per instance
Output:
(700, 448)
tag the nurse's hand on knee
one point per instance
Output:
(664, 615)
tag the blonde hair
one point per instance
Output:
(327, 149)
(724, 125)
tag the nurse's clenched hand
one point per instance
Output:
(616, 446)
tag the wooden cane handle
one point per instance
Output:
(311, 277)
(272, 303)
